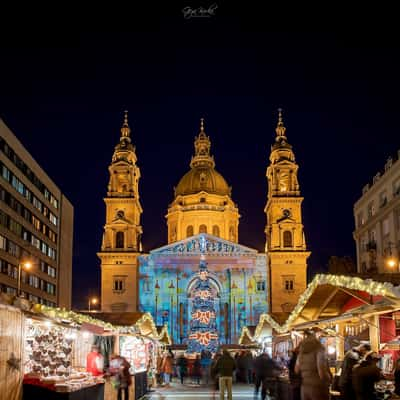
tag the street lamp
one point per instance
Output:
(156, 290)
(392, 261)
(92, 300)
(24, 265)
(234, 287)
(250, 292)
(172, 287)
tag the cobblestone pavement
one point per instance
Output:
(192, 392)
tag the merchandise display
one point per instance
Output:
(48, 361)
(135, 350)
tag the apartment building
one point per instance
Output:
(36, 226)
(377, 221)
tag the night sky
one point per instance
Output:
(63, 92)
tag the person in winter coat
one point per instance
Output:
(95, 362)
(248, 367)
(182, 367)
(312, 364)
(225, 367)
(119, 370)
(265, 370)
(196, 371)
(205, 361)
(365, 376)
(167, 368)
(294, 379)
(351, 358)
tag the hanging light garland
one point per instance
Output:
(370, 286)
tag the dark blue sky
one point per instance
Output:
(63, 92)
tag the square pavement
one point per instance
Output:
(192, 392)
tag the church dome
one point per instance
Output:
(202, 175)
(202, 179)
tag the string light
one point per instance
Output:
(373, 288)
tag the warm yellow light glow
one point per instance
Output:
(27, 265)
(94, 300)
(391, 262)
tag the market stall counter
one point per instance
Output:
(37, 390)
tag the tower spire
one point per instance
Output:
(202, 145)
(125, 130)
(202, 133)
(280, 128)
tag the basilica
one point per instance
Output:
(202, 223)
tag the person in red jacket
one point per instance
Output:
(95, 362)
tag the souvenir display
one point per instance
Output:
(134, 349)
(48, 358)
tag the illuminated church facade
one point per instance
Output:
(202, 222)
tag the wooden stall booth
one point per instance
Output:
(140, 342)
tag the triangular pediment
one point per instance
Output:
(204, 244)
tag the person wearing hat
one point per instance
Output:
(365, 376)
(352, 358)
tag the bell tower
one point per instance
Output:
(285, 240)
(121, 243)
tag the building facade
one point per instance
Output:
(377, 222)
(285, 239)
(36, 226)
(202, 222)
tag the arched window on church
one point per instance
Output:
(189, 231)
(215, 230)
(119, 240)
(202, 229)
(287, 239)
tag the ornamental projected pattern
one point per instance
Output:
(237, 276)
(205, 244)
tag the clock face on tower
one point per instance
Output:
(120, 214)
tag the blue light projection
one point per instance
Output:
(237, 278)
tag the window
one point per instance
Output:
(119, 240)
(50, 288)
(203, 229)
(53, 219)
(216, 230)
(289, 285)
(34, 281)
(360, 219)
(287, 239)
(396, 188)
(382, 199)
(119, 284)
(260, 286)
(189, 231)
(371, 209)
(36, 222)
(385, 227)
(13, 249)
(3, 242)
(37, 203)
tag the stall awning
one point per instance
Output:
(327, 297)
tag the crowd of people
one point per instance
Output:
(308, 369)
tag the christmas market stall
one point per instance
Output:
(139, 341)
(345, 311)
(44, 351)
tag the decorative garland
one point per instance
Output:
(370, 286)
